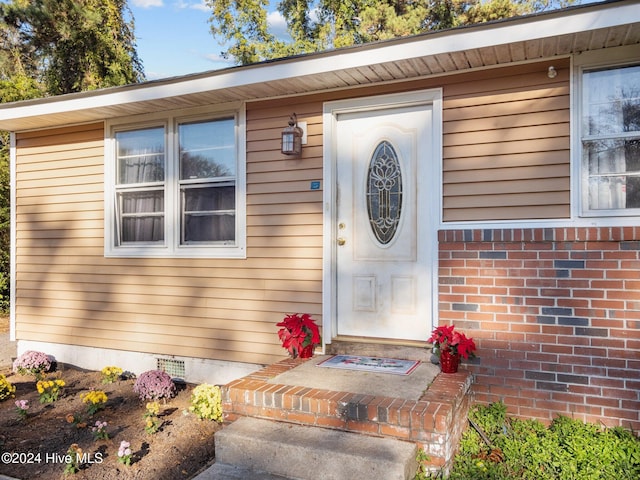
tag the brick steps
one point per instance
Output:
(435, 421)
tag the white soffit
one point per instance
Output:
(570, 31)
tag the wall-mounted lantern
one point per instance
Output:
(292, 137)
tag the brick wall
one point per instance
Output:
(555, 313)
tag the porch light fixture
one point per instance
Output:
(292, 138)
(552, 72)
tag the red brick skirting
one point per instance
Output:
(435, 421)
(555, 313)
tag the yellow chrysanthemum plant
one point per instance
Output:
(95, 400)
(7, 390)
(49, 390)
(206, 402)
(152, 423)
(110, 374)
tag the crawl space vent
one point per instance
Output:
(175, 368)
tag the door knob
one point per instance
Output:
(341, 241)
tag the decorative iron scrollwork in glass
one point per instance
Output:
(384, 192)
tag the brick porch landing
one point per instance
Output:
(435, 421)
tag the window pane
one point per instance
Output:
(613, 156)
(210, 228)
(140, 156)
(614, 192)
(384, 192)
(142, 202)
(614, 173)
(142, 229)
(141, 216)
(612, 101)
(209, 214)
(207, 149)
(210, 198)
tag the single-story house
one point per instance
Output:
(485, 176)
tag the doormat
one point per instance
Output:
(370, 364)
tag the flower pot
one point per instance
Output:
(306, 352)
(449, 362)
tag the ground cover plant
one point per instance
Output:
(567, 449)
(95, 429)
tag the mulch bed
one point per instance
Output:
(35, 448)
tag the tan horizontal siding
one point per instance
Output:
(135, 284)
(506, 145)
(238, 350)
(68, 292)
(155, 304)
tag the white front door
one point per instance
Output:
(386, 229)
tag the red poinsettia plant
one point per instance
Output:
(446, 338)
(299, 335)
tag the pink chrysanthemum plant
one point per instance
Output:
(299, 335)
(32, 362)
(445, 338)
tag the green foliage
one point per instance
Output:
(525, 449)
(74, 45)
(73, 456)
(316, 25)
(422, 458)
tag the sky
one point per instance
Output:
(174, 37)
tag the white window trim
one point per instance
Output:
(608, 58)
(171, 247)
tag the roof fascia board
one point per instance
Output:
(473, 37)
(500, 33)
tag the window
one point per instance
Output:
(610, 138)
(384, 192)
(176, 188)
(207, 181)
(140, 186)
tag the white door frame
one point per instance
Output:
(331, 111)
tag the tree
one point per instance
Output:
(316, 25)
(73, 45)
(50, 47)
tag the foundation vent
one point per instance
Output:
(175, 368)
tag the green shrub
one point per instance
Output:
(525, 449)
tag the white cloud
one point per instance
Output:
(276, 20)
(201, 5)
(277, 24)
(147, 3)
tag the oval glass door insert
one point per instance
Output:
(384, 192)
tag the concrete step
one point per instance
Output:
(308, 453)
(221, 471)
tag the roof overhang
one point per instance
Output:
(534, 37)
